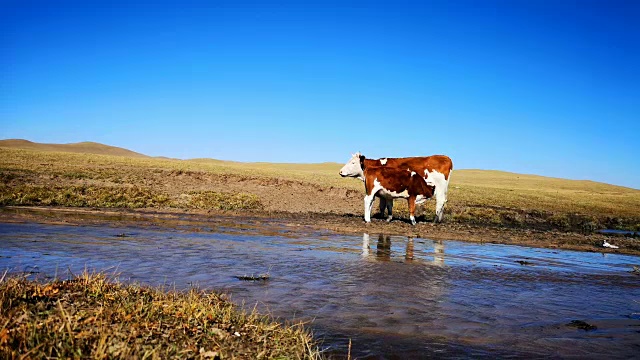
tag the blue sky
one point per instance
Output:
(538, 87)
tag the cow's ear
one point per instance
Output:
(362, 162)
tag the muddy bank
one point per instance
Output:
(339, 223)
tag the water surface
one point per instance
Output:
(393, 297)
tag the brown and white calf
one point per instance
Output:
(390, 183)
(435, 169)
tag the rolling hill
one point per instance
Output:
(85, 147)
(327, 171)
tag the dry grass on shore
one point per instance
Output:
(92, 317)
(30, 177)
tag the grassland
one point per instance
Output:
(92, 316)
(35, 177)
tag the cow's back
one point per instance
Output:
(439, 163)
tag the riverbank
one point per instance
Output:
(339, 223)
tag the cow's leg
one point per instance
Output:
(440, 201)
(412, 208)
(420, 204)
(445, 193)
(441, 193)
(438, 180)
(383, 205)
(368, 203)
(389, 209)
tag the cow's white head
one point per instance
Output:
(353, 168)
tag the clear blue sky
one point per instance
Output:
(548, 87)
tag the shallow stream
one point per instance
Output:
(392, 297)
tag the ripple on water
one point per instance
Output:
(388, 295)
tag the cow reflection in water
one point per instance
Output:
(383, 249)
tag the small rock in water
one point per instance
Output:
(582, 325)
(524, 262)
(263, 277)
(121, 235)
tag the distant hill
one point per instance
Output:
(461, 177)
(86, 147)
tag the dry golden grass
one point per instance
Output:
(561, 195)
(86, 147)
(322, 174)
(31, 177)
(93, 317)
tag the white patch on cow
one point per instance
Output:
(420, 199)
(368, 202)
(437, 179)
(413, 173)
(383, 161)
(413, 220)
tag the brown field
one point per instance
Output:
(481, 203)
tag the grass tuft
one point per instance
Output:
(82, 196)
(222, 201)
(92, 316)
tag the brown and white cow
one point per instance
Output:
(435, 169)
(391, 183)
